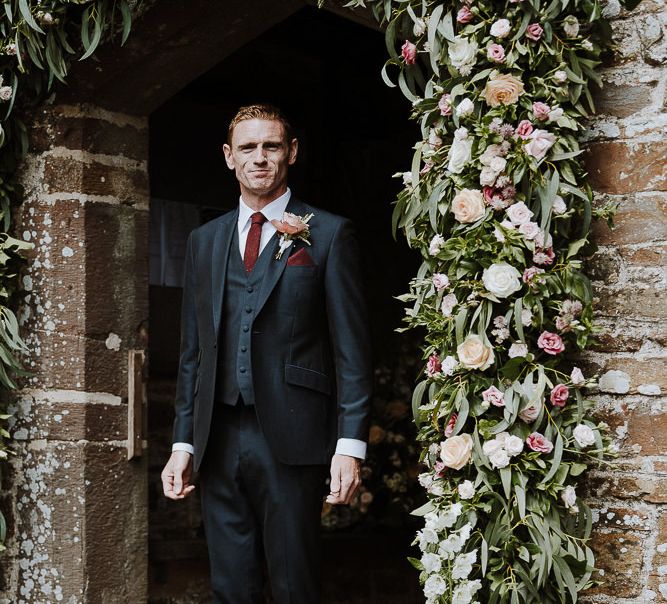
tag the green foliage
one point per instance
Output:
(497, 201)
(38, 41)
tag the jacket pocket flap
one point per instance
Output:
(309, 378)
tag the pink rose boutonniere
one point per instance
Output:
(292, 227)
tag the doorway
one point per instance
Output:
(354, 133)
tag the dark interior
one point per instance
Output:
(354, 133)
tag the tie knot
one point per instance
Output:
(258, 218)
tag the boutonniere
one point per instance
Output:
(292, 227)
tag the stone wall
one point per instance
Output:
(627, 164)
(76, 507)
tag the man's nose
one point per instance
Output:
(260, 155)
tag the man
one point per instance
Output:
(275, 372)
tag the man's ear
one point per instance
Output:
(229, 160)
(293, 149)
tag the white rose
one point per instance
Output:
(466, 490)
(555, 114)
(465, 107)
(526, 317)
(584, 435)
(517, 349)
(461, 133)
(529, 229)
(529, 414)
(459, 154)
(455, 451)
(501, 28)
(436, 243)
(492, 446)
(499, 459)
(513, 445)
(448, 365)
(474, 353)
(501, 279)
(498, 163)
(569, 497)
(519, 213)
(448, 304)
(462, 53)
(540, 142)
(468, 205)
(487, 176)
(559, 206)
(489, 153)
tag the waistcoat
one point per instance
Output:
(234, 371)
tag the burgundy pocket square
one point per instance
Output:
(300, 258)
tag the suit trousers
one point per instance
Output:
(253, 506)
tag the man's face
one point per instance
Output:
(259, 154)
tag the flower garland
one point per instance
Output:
(498, 203)
(35, 50)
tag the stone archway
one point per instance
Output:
(77, 506)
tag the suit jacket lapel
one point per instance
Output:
(275, 267)
(222, 243)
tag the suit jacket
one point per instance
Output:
(310, 348)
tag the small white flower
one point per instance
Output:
(499, 459)
(517, 349)
(519, 213)
(449, 364)
(461, 133)
(584, 435)
(448, 304)
(466, 490)
(436, 243)
(407, 178)
(587, 44)
(513, 445)
(419, 28)
(571, 26)
(569, 497)
(465, 107)
(434, 586)
(559, 206)
(463, 565)
(577, 376)
(560, 76)
(497, 233)
(432, 562)
(501, 28)
(555, 114)
(526, 317)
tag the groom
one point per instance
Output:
(275, 373)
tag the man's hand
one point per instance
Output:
(345, 479)
(176, 475)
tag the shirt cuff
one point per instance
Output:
(183, 447)
(351, 447)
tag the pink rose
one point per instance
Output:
(450, 425)
(495, 53)
(559, 395)
(494, 396)
(551, 343)
(434, 365)
(524, 129)
(541, 111)
(464, 15)
(540, 142)
(540, 443)
(439, 467)
(534, 31)
(529, 414)
(544, 256)
(290, 224)
(409, 53)
(445, 105)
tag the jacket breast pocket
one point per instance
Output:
(308, 378)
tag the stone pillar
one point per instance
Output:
(78, 508)
(627, 164)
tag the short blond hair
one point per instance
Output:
(260, 111)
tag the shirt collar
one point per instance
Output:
(273, 210)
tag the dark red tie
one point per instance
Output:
(252, 242)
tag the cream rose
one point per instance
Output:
(468, 205)
(474, 353)
(503, 89)
(501, 279)
(455, 451)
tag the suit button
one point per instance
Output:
(250, 290)
(242, 369)
(244, 348)
(248, 309)
(246, 328)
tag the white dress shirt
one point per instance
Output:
(274, 210)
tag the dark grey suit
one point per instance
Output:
(307, 381)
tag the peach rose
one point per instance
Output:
(474, 353)
(455, 452)
(468, 205)
(290, 224)
(503, 89)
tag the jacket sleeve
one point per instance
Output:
(188, 360)
(349, 330)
